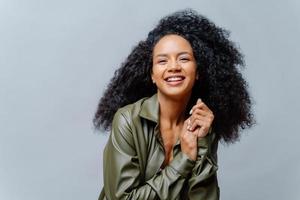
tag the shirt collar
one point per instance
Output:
(150, 109)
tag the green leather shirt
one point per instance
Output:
(134, 154)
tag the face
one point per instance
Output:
(174, 66)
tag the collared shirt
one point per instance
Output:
(134, 154)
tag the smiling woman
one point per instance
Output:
(174, 67)
(174, 98)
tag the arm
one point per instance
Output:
(122, 170)
(203, 181)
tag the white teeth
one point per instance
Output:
(175, 78)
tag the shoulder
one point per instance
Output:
(124, 121)
(129, 111)
(126, 114)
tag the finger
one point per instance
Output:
(198, 123)
(195, 117)
(186, 123)
(189, 124)
(202, 132)
(199, 100)
(188, 136)
(209, 117)
(200, 105)
(201, 112)
(188, 128)
(194, 132)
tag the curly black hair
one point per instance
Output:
(220, 84)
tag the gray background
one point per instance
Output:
(56, 58)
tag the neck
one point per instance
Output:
(172, 110)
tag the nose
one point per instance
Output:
(174, 66)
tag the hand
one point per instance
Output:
(188, 141)
(201, 119)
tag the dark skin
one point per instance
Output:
(174, 73)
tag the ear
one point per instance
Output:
(152, 78)
(197, 76)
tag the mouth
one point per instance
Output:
(175, 80)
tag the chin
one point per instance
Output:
(176, 94)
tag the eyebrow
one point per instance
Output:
(166, 55)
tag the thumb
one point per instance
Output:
(199, 100)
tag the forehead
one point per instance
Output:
(172, 44)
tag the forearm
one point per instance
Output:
(203, 182)
(122, 178)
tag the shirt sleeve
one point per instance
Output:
(203, 181)
(122, 171)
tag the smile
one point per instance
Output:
(174, 78)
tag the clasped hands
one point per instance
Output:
(196, 126)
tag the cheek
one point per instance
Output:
(157, 71)
(192, 70)
(154, 73)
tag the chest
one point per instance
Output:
(169, 138)
(162, 147)
(155, 147)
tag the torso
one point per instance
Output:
(169, 138)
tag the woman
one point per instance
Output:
(175, 97)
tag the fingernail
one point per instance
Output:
(199, 100)
(191, 111)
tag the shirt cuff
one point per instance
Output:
(203, 141)
(182, 164)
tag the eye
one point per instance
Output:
(184, 59)
(162, 62)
